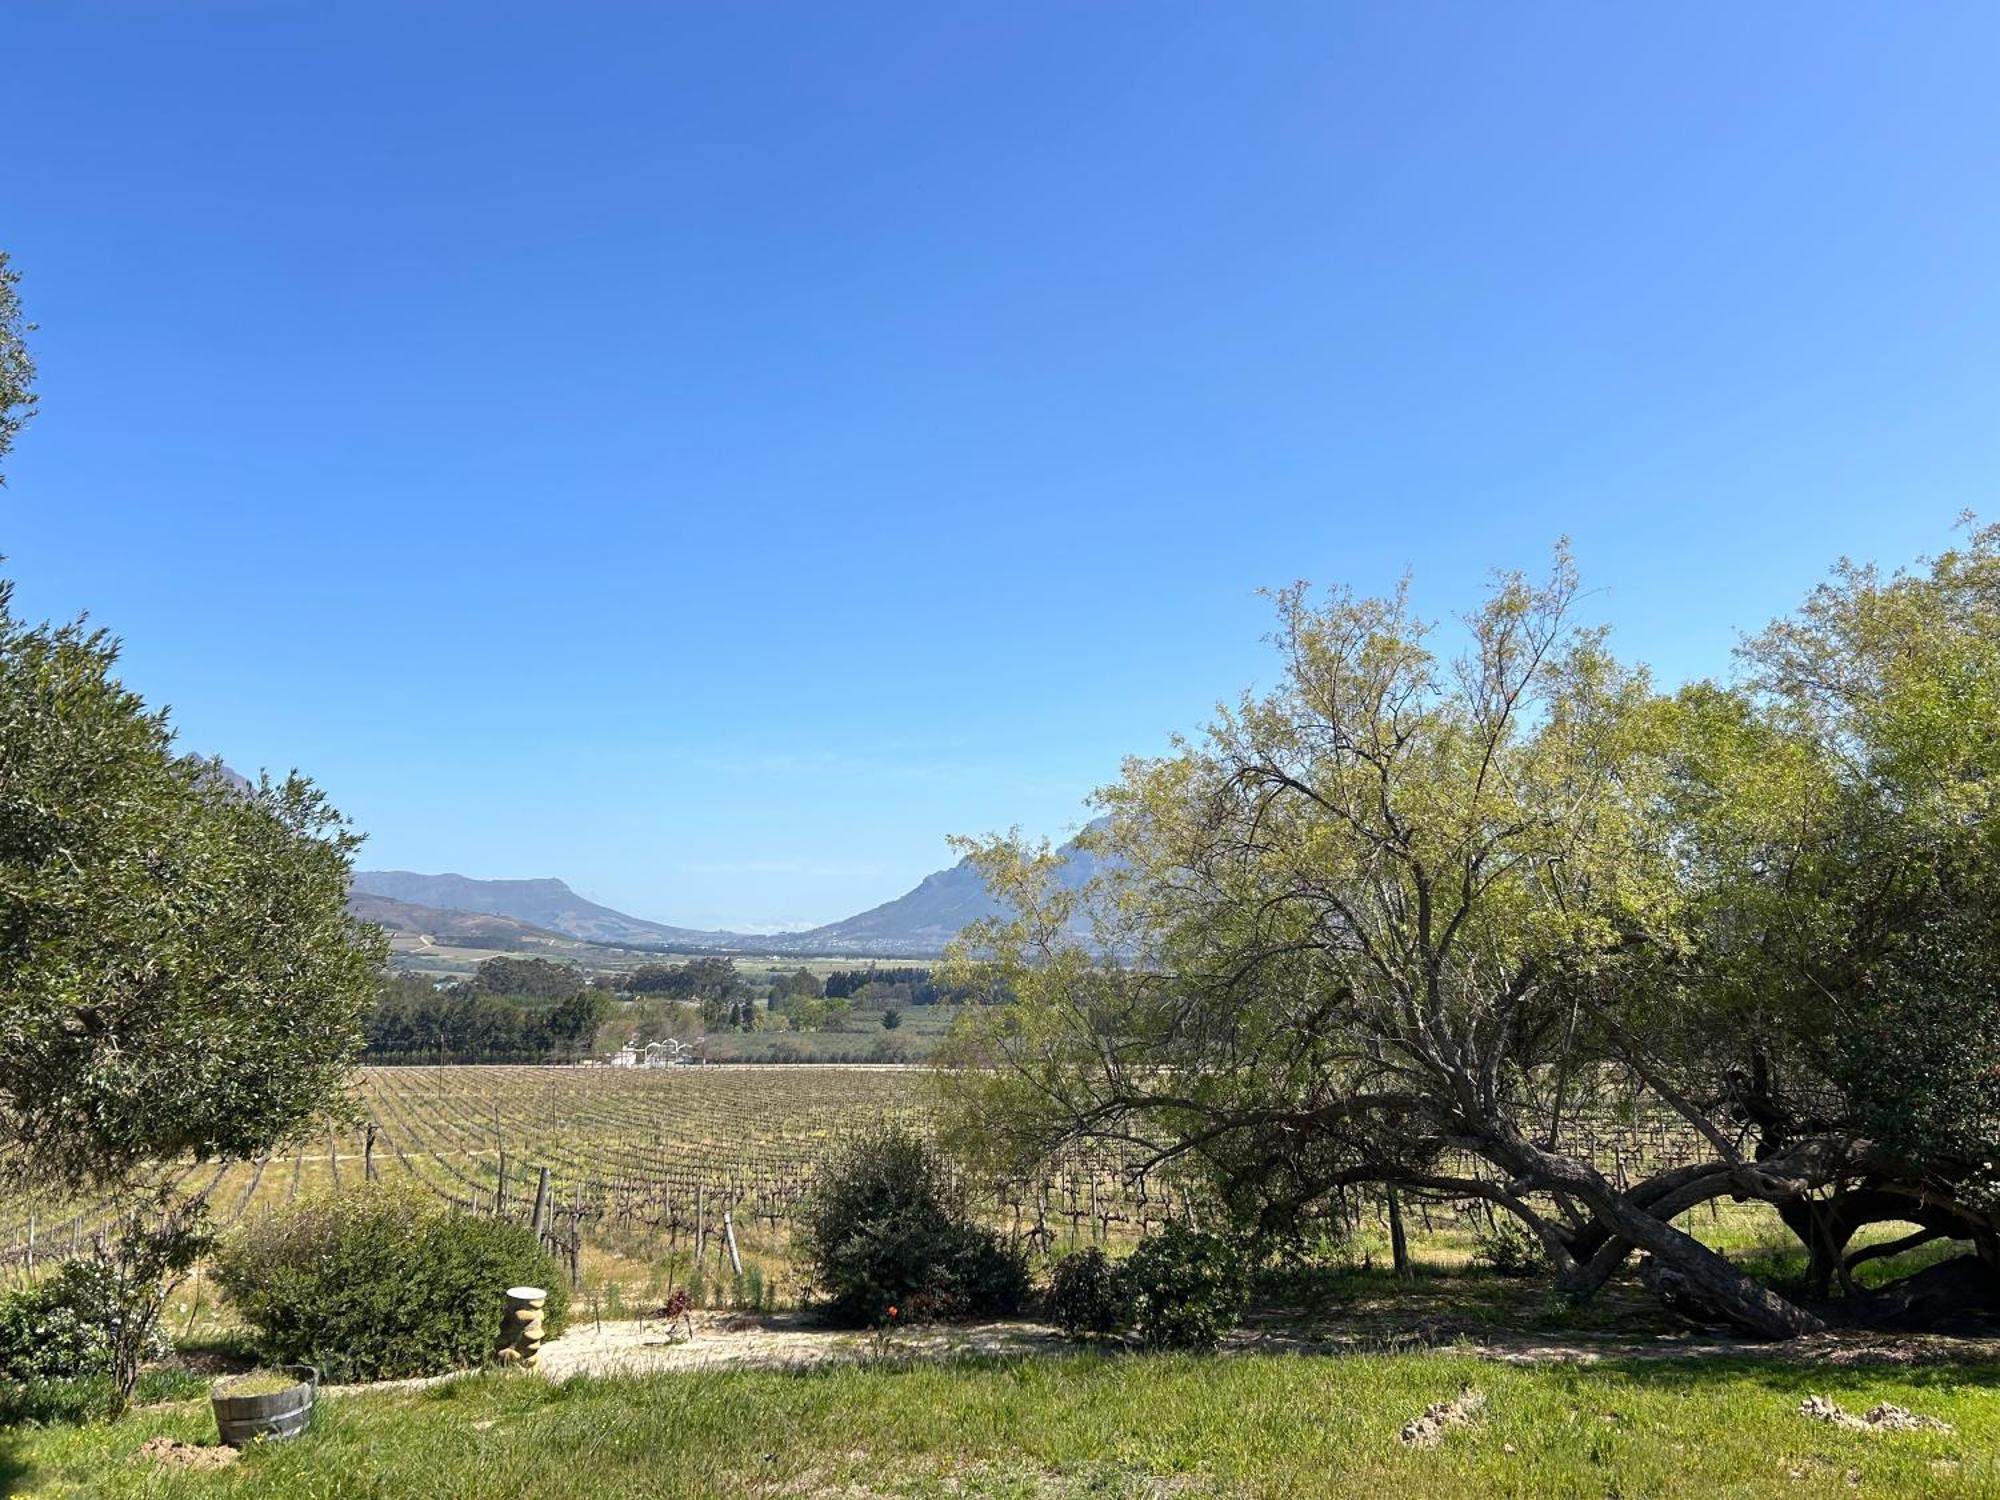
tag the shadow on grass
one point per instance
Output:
(1801, 1377)
(15, 1471)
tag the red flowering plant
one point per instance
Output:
(678, 1308)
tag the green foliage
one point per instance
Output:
(1509, 1248)
(888, 1227)
(803, 1013)
(1186, 1288)
(1462, 904)
(891, 1019)
(17, 366)
(1087, 1295)
(382, 1282)
(1848, 820)
(894, 986)
(60, 1328)
(414, 1021)
(1921, 1062)
(100, 1315)
(800, 982)
(535, 978)
(178, 972)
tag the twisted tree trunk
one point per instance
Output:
(1692, 1269)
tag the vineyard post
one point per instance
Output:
(729, 1237)
(539, 1219)
(500, 1191)
(368, 1154)
(31, 1242)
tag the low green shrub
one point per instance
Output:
(61, 1328)
(382, 1282)
(1087, 1295)
(1509, 1248)
(1187, 1288)
(100, 1316)
(889, 1228)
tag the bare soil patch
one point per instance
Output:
(172, 1453)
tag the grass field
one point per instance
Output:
(1089, 1425)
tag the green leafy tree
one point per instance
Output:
(1843, 813)
(178, 972)
(1383, 921)
(798, 982)
(538, 978)
(17, 366)
(571, 1026)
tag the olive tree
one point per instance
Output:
(17, 365)
(178, 972)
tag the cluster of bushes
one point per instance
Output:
(1181, 1289)
(888, 1228)
(375, 1283)
(891, 1239)
(382, 1282)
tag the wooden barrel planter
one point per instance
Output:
(262, 1408)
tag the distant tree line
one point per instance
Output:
(902, 986)
(486, 1019)
(726, 1001)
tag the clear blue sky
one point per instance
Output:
(710, 454)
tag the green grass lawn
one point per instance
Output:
(1096, 1425)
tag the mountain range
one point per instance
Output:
(918, 923)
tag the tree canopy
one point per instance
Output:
(17, 365)
(1416, 919)
(178, 972)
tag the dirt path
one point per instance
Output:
(723, 1341)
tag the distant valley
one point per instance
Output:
(462, 911)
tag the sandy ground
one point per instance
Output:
(724, 1341)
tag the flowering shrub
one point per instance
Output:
(63, 1327)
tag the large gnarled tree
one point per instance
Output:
(1421, 921)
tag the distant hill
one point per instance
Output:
(457, 929)
(212, 768)
(922, 921)
(916, 924)
(542, 903)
